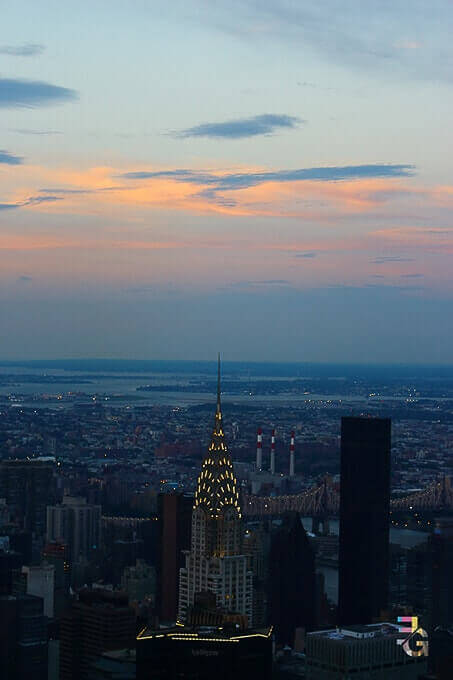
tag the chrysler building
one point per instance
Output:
(215, 562)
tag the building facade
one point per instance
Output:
(216, 562)
(38, 580)
(97, 622)
(441, 549)
(175, 514)
(292, 580)
(23, 638)
(28, 486)
(364, 519)
(76, 523)
(191, 653)
(360, 652)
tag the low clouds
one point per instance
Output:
(309, 254)
(15, 93)
(252, 284)
(65, 191)
(32, 200)
(214, 183)
(25, 50)
(23, 131)
(384, 259)
(10, 159)
(265, 124)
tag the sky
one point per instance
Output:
(271, 179)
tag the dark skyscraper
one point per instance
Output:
(99, 621)
(292, 583)
(441, 548)
(364, 519)
(28, 487)
(175, 517)
(23, 638)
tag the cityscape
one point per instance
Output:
(129, 524)
(226, 358)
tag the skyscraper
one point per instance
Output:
(441, 549)
(174, 510)
(28, 487)
(292, 582)
(77, 523)
(98, 621)
(23, 638)
(215, 562)
(364, 519)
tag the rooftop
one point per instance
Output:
(204, 633)
(359, 632)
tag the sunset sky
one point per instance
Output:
(272, 179)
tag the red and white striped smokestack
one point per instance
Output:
(272, 467)
(259, 449)
(292, 461)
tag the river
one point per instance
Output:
(407, 538)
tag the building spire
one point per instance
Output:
(217, 486)
(219, 408)
(218, 412)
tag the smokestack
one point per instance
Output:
(259, 449)
(272, 467)
(291, 455)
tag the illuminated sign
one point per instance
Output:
(415, 642)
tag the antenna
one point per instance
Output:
(218, 382)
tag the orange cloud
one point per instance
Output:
(101, 191)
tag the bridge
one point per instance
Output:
(323, 501)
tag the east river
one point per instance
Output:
(407, 538)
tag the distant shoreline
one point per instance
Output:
(245, 368)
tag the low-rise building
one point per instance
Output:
(359, 652)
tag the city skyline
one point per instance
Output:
(271, 179)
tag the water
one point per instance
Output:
(123, 387)
(407, 538)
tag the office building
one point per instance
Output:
(28, 488)
(441, 652)
(56, 554)
(256, 546)
(97, 622)
(118, 664)
(77, 524)
(175, 517)
(364, 519)
(292, 581)
(132, 529)
(361, 652)
(441, 550)
(139, 582)
(38, 581)
(124, 554)
(10, 560)
(204, 653)
(23, 638)
(216, 562)
(21, 542)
